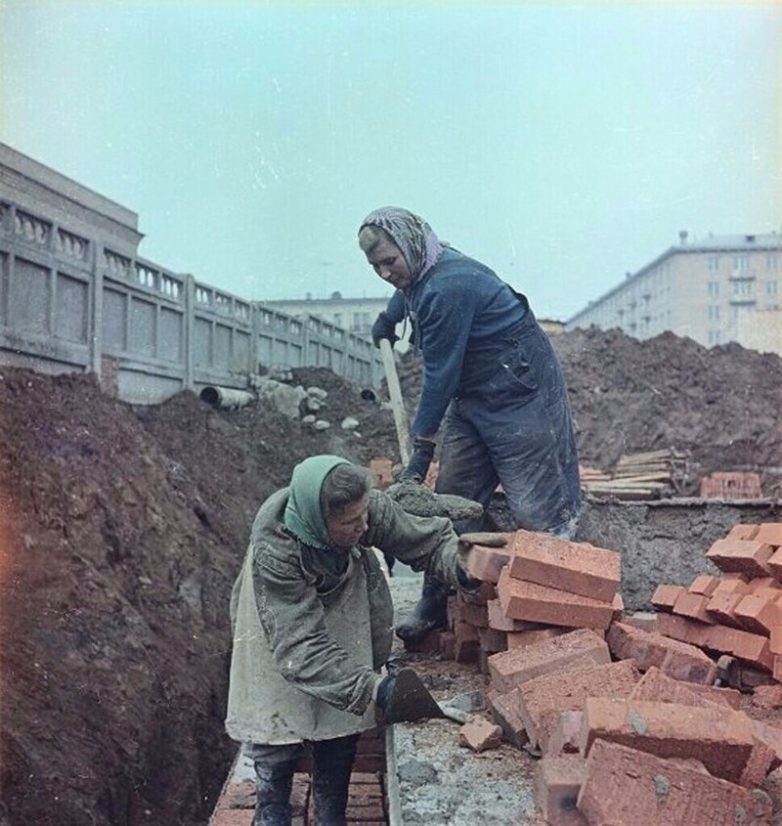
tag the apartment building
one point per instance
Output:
(714, 290)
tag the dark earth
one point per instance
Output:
(123, 528)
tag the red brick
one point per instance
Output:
(775, 639)
(505, 713)
(492, 641)
(448, 645)
(721, 607)
(692, 606)
(744, 556)
(665, 596)
(479, 734)
(623, 782)
(485, 563)
(775, 563)
(476, 615)
(557, 784)
(704, 584)
(767, 696)
(752, 648)
(763, 583)
(466, 645)
(742, 532)
(683, 629)
(674, 658)
(564, 738)
(657, 687)
(509, 669)
(776, 667)
(542, 699)
(759, 612)
(521, 639)
(537, 603)
(645, 620)
(500, 622)
(720, 738)
(770, 533)
(576, 567)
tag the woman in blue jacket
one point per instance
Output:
(493, 391)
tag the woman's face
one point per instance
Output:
(347, 526)
(386, 259)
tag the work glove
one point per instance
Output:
(384, 327)
(385, 690)
(421, 458)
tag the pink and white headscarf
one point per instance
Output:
(414, 237)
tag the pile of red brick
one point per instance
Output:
(737, 614)
(626, 720)
(731, 485)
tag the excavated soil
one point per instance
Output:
(122, 530)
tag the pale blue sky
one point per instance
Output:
(561, 145)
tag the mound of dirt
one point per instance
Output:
(123, 530)
(722, 405)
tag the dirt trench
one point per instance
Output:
(123, 528)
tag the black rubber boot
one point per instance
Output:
(273, 783)
(429, 613)
(332, 764)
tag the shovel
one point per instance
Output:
(397, 403)
(411, 701)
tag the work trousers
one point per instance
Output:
(274, 769)
(514, 427)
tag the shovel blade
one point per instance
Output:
(411, 701)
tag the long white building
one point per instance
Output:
(715, 290)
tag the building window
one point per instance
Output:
(713, 263)
(771, 287)
(714, 312)
(714, 336)
(742, 288)
(714, 288)
(772, 263)
(740, 263)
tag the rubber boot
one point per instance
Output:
(429, 613)
(332, 764)
(273, 783)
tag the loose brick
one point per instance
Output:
(763, 583)
(721, 607)
(476, 615)
(492, 641)
(683, 629)
(542, 699)
(505, 713)
(557, 784)
(485, 563)
(759, 612)
(742, 531)
(564, 737)
(509, 669)
(704, 584)
(720, 738)
(775, 563)
(674, 658)
(479, 734)
(521, 639)
(744, 556)
(657, 687)
(767, 696)
(645, 620)
(692, 606)
(538, 603)
(576, 567)
(622, 782)
(500, 622)
(770, 533)
(665, 596)
(466, 645)
(752, 648)
(775, 639)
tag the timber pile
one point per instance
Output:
(649, 475)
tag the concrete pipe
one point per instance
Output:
(226, 397)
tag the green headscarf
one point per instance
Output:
(303, 516)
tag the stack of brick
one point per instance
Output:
(738, 613)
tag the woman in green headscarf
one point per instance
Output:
(312, 623)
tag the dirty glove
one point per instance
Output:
(421, 458)
(385, 690)
(384, 328)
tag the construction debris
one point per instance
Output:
(649, 475)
